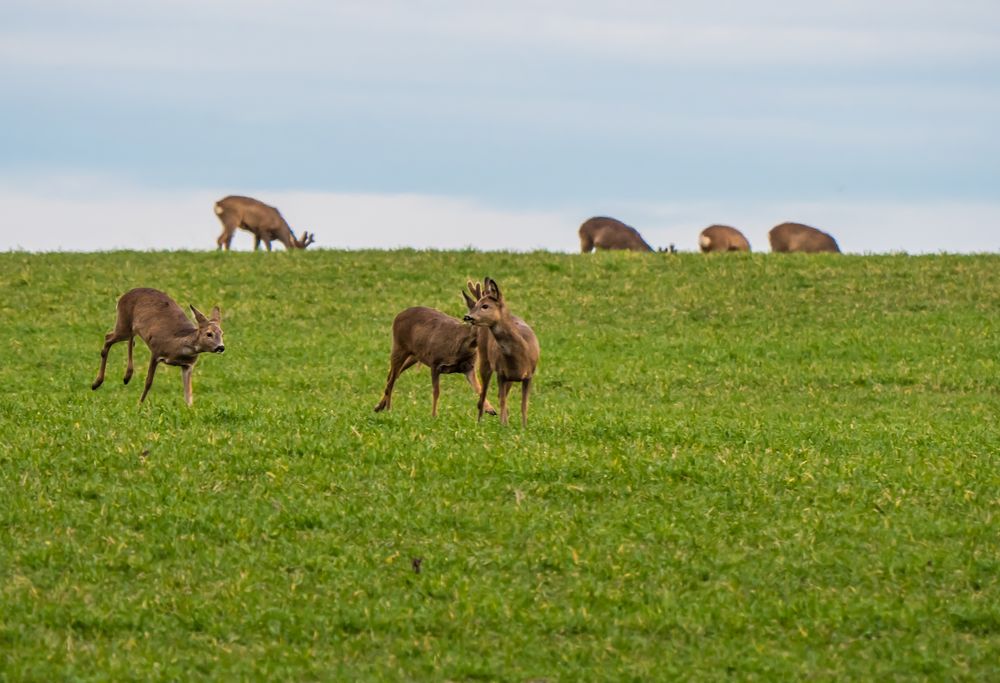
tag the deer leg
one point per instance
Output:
(504, 389)
(471, 376)
(398, 362)
(436, 385)
(487, 374)
(256, 243)
(149, 378)
(525, 390)
(129, 368)
(110, 339)
(226, 238)
(186, 372)
(268, 244)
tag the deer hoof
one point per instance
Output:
(96, 384)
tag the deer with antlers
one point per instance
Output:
(444, 344)
(262, 220)
(508, 347)
(168, 333)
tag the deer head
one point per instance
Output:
(209, 332)
(489, 308)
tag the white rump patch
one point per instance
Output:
(705, 241)
(218, 210)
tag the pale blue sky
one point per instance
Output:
(669, 115)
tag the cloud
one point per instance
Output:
(378, 37)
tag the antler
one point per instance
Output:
(476, 289)
(306, 240)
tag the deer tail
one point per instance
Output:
(218, 209)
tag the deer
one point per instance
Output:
(601, 232)
(439, 341)
(789, 237)
(722, 238)
(262, 220)
(172, 338)
(510, 350)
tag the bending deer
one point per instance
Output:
(437, 340)
(797, 237)
(168, 333)
(722, 238)
(607, 233)
(262, 220)
(511, 348)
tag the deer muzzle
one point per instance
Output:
(219, 349)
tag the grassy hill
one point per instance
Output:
(774, 466)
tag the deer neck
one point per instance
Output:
(506, 335)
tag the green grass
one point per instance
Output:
(763, 466)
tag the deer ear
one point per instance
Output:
(198, 316)
(216, 315)
(491, 286)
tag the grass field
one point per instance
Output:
(763, 466)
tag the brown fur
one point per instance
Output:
(797, 237)
(722, 238)
(262, 220)
(168, 333)
(510, 350)
(437, 340)
(607, 233)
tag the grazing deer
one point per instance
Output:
(722, 238)
(607, 233)
(511, 348)
(168, 333)
(437, 340)
(262, 220)
(797, 237)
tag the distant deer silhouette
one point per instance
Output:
(722, 238)
(262, 220)
(601, 232)
(789, 237)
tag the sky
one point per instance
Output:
(500, 125)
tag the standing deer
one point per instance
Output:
(262, 220)
(607, 233)
(797, 237)
(437, 340)
(511, 349)
(722, 238)
(168, 333)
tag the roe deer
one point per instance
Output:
(437, 340)
(262, 220)
(607, 233)
(511, 348)
(722, 238)
(168, 333)
(798, 237)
